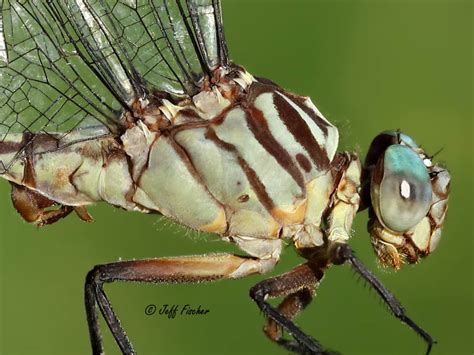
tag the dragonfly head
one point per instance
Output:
(407, 197)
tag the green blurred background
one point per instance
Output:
(369, 66)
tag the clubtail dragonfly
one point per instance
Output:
(136, 103)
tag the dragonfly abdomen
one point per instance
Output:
(76, 174)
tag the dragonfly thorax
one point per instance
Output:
(243, 158)
(256, 159)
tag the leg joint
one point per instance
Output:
(341, 253)
(96, 276)
(259, 292)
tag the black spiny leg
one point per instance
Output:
(343, 253)
(298, 285)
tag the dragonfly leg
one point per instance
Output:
(187, 269)
(290, 307)
(82, 213)
(32, 206)
(343, 253)
(52, 216)
(298, 285)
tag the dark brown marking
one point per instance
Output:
(339, 166)
(187, 161)
(43, 143)
(304, 162)
(257, 185)
(91, 152)
(173, 130)
(301, 132)
(219, 119)
(258, 88)
(259, 127)
(320, 122)
(25, 139)
(252, 176)
(243, 198)
(10, 147)
(71, 178)
(113, 153)
(189, 113)
(28, 170)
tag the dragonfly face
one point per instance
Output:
(136, 103)
(408, 195)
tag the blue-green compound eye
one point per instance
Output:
(407, 140)
(403, 196)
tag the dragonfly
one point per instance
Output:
(137, 103)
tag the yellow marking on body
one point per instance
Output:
(219, 225)
(253, 223)
(318, 191)
(294, 215)
(275, 228)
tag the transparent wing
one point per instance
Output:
(69, 64)
(141, 46)
(44, 84)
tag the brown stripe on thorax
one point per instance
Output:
(258, 125)
(301, 132)
(304, 162)
(252, 176)
(319, 121)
